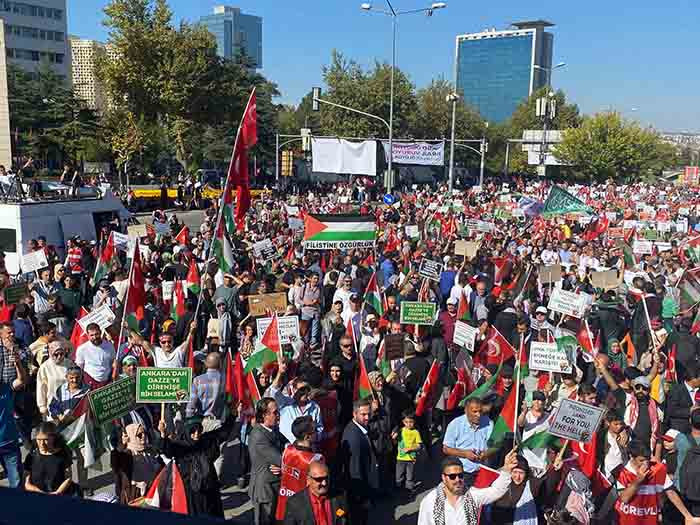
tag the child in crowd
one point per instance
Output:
(409, 444)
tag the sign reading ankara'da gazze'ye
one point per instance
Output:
(163, 385)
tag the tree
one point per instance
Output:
(607, 146)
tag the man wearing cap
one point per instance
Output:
(540, 326)
(227, 292)
(643, 416)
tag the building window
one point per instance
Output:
(59, 58)
(8, 240)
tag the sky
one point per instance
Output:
(638, 57)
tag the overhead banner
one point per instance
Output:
(344, 157)
(420, 153)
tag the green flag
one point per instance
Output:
(561, 201)
(483, 389)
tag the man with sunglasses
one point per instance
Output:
(450, 503)
(643, 416)
(317, 504)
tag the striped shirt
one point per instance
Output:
(206, 396)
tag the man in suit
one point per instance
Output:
(682, 397)
(265, 446)
(316, 505)
(361, 468)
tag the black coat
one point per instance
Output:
(678, 405)
(360, 465)
(299, 510)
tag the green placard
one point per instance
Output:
(417, 313)
(114, 400)
(14, 294)
(163, 385)
(651, 235)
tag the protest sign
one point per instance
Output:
(121, 241)
(258, 305)
(430, 269)
(643, 247)
(550, 273)
(137, 230)
(102, 316)
(417, 313)
(604, 280)
(113, 401)
(162, 228)
(288, 326)
(682, 225)
(611, 216)
(145, 251)
(465, 335)
(466, 248)
(479, 226)
(664, 226)
(264, 250)
(163, 385)
(576, 421)
(684, 211)
(663, 246)
(295, 224)
(168, 287)
(548, 357)
(34, 261)
(15, 294)
(292, 211)
(568, 303)
(412, 231)
(629, 224)
(393, 346)
(616, 233)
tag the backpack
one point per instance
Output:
(689, 474)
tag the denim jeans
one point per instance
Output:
(11, 462)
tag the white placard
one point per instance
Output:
(643, 247)
(629, 224)
(168, 289)
(548, 357)
(684, 211)
(295, 224)
(102, 316)
(663, 246)
(288, 326)
(34, 261)
(292, 211)
(664, 226)
(121, 241)
(611, 216)
(465, 335)
(576, 421)
(682, 225)
(568, 303)
(412, 231)
(145, 251)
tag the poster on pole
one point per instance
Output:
(102, 316)
(549, 357)
(417, 313)
(606, 280)
(549, 273)
(34, 261)
(113, 401)
(412, 231)
(576, 421)
(15, 294)
(168, 288)
(643, 247)
(568, 303)
(467, 248)
(430, 269)
(137, 230)
(288, 326)
(121, 241)
(393, 346)
(264, 250)
(163, 385)
(465, 335)
(259, 305)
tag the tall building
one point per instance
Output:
(84, 55)
(36, 32)
(495, 70)
(236, 34)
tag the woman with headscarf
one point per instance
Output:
(617, 357)
(135, 465)
(51, 375)
(195, 454)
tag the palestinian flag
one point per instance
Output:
(193, 279)
(569, 344)
(183, 237)
(689, 287)
(535, 444)
(78, 336)
(383, 364)
(483, 389)
(136, 294)
(426, 397)
(628, 255)
(270, 348)
(167, 492)
(463, 313)
(363, 388)
(373, 297)
(177, 310)
(323, 232)
(506, 419)
(80, 433)
(223, 251)
(104, 263)
(502, 269)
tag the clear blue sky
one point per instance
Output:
(622, 54)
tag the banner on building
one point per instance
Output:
(420, 153)
(344, 157)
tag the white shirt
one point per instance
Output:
(455, 515)
(175, 359)
(96, 361)
(341, 294)
(614, 456)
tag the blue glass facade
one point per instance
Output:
(236, 34)
(495, 70)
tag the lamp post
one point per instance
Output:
(546, 108)
(452, 97)
(394, 17)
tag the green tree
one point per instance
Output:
(607, 146)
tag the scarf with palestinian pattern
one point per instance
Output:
(470, 512)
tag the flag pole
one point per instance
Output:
(516, 385)
(126, 302)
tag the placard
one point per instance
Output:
(137, 230)
(168, 288)
(682, 225)
(479, 226)
(34, 261)
(684, 211)
(417, 313)
(467, 248)
(568, 303)
(550, 273)
(288, 326)
(121, 241)
(113, 401)
(548, 357)
(292, 211)
(643, 247)
(258, 305)
(102, 316)
(264, 250)
(412, 231)
(163, 385)
(161, 228)
(15, 294)
(629, 224)
(576, 421)
(393, 346)
(662, 246)
(616, 233)
(604, 280)
(145, 251)
(430, 269)
(465, 335)
(664, 226)
(295, 224)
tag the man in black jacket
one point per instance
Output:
(361, 467)
(310, 506)
(265, 445)
(681, 399)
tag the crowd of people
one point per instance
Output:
(359, 407)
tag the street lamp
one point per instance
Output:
(394, 16)
(549, 70)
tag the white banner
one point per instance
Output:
(421, 153)
(576, 421)
(548, 357)
(34, 261)
(103, 317)
(465, 335)
(344, 157)
(288, 326)
(568, 303)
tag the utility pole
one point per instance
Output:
(546, 109)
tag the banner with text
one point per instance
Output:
(421, 153)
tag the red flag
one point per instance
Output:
(190, 354)
(495, 348)
(349, 330)
(168, 485)
(238, 169)
(229, 383)
(246, 390)
(183, 236)
(136, 295)
(291, 253)
(459, 391)
(586, 453)
(143, 360)
(426, 395)
(671, 376)
(502, 267)
(78, 336)
(178, 307)
(150, 231)
(463, 313)
(485, 477)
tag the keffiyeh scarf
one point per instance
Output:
(470, 511)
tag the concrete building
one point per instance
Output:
(36, 32)
(236, 34)
(495, 70)
(84, 56)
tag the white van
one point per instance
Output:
(57, 220)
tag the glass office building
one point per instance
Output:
(236, 34)
(495, 70)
